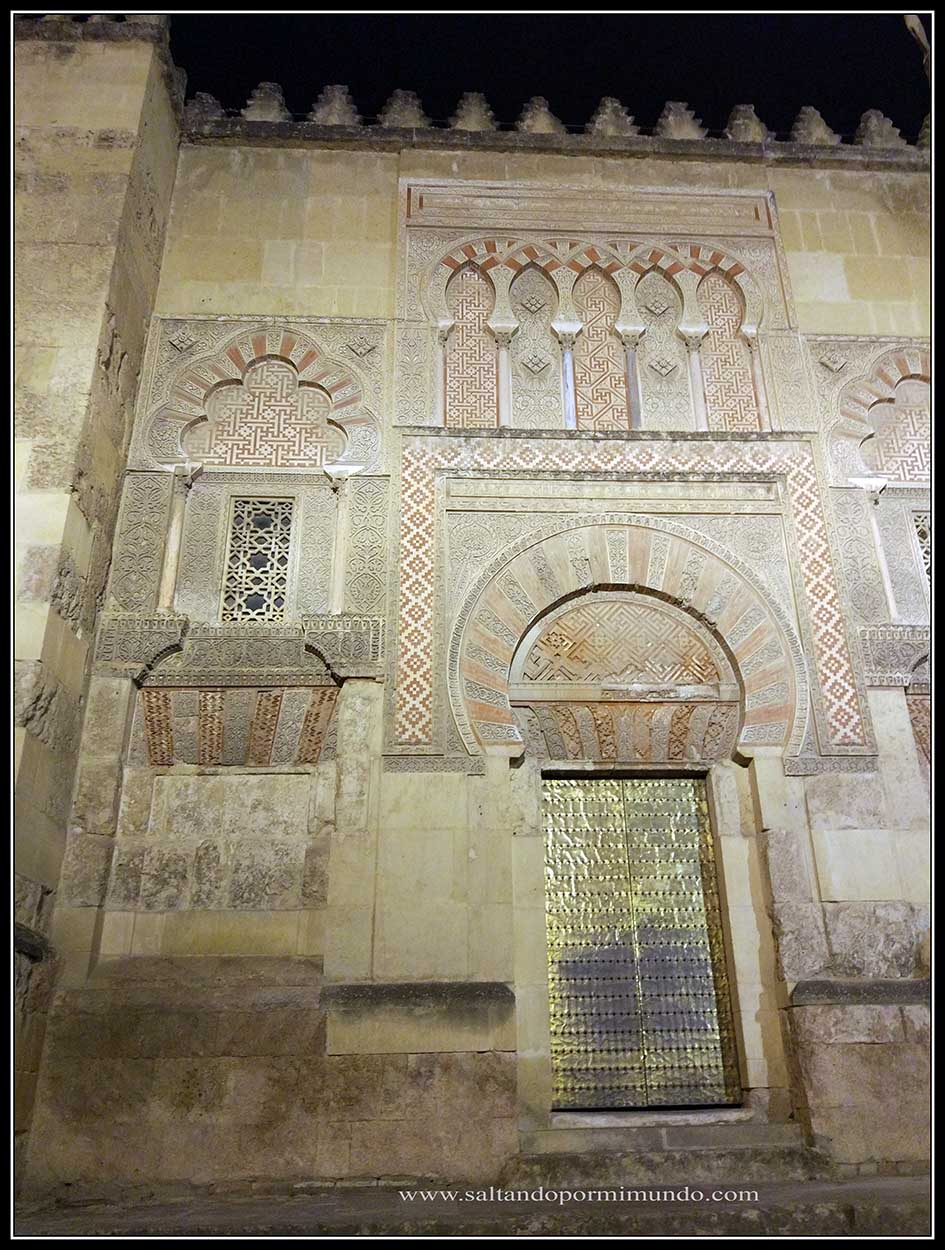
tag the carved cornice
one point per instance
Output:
(167, 650)
(895, 655)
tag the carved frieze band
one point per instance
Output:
(895, 655)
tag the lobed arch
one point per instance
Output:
(645, 555)
(852, 425)
(566, 258)
(195, 382)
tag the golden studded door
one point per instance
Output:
(640, 1009)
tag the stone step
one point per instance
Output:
(687, 1165)
(880, 1206)
(572, 1135)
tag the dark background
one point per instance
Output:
(841, 64)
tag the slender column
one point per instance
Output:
(503, 339)
(184, 478)
(758, 380)
(339, 484)
(634, 393)
(693, 341)
(442, 334)
(567, 371)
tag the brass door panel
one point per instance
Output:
(640, 1009)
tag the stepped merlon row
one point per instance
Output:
(404, 111)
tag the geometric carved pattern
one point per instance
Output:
(366, 564)
(730, 398)
(790, 459)
(600, 364)
(157, 726)
(237, 726)
(923, 533)
(269, 421)
(472, 388)
(639, 733)
(662, 366)
(315, 725)
(900, 449)
(257, 562)
(619, 642)
(139, 543)
(920, 714)
(535, 354)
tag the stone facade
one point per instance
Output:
(333, 441)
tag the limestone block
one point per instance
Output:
(349, 942)
(421, 1019)
(907, 796)
(124, 885)
(856, 864)
(916, 1022)
(786, 860)
(430, 944)
(266, 875)
(116, 935)
(860, 1134)
(424, 801)
(85, 869)
(315, 874)
(873, 939)
(134, 808)
(415, 864)
(846, 1074)
(276, 804)
(842, 801)
(801, 939)
(829, 1024)
(98, 787)
(460, 1087)
(165, 878)
(231, 933)
(491, 944)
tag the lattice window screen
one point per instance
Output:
(923, 532)
(257, 560)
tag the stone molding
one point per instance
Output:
(344, 645)
(413, 994)
(875, 991)
(895, 655)
(237, 131)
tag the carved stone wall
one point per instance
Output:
(537, 396)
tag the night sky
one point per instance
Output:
(842, 65)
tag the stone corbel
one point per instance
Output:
(130, 646)
(351, 645)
